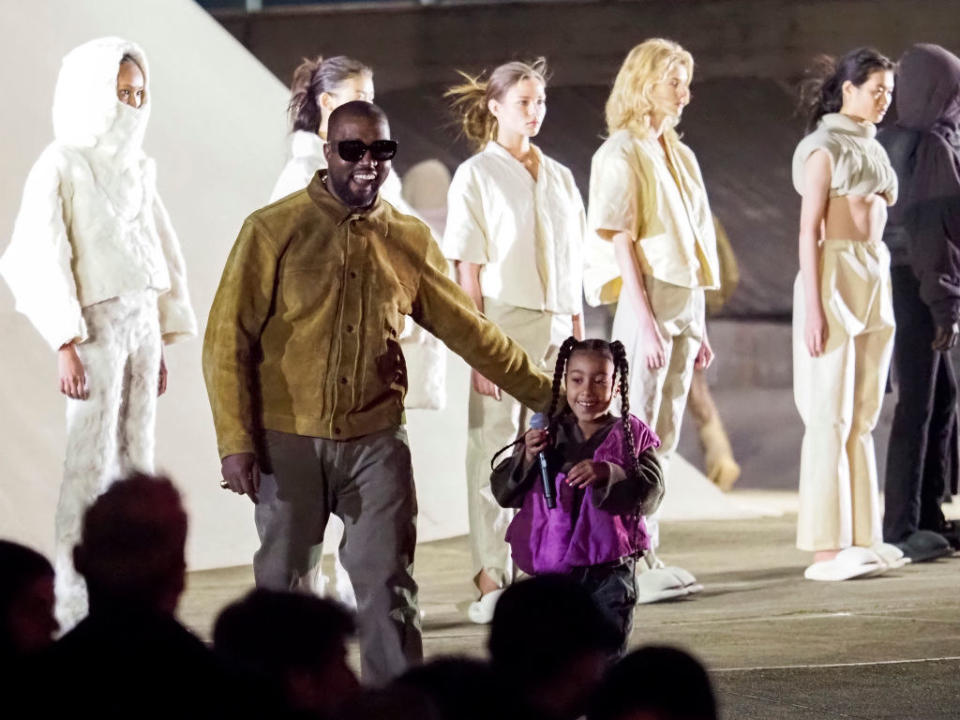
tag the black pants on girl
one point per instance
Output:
(613, 588)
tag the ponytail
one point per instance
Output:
(821, 91)
(314, 77)
(470, 100)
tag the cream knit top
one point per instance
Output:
(859, 165)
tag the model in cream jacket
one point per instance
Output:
(95, 262)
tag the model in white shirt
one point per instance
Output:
(95, 265)
(515, 229)
(319, 87)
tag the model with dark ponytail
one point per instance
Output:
(319, 86)
(843, 320)
(821, 91)
(316, 77)
(606, 479)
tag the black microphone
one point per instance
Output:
(539, 421)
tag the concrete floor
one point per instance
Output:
(778, 646)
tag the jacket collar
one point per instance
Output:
(495, 148)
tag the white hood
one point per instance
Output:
(86, 111)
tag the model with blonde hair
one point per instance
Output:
(319, 86)
(653, 248)
(515, 229)
(843, 321)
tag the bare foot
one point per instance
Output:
(824, 555)
(485, 583)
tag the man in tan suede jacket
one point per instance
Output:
(306, 378)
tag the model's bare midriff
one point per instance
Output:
(855, 217)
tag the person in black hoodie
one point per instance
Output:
(923, 235)
(130, 657)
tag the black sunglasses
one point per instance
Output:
(354, 150)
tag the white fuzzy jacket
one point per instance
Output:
(91, 225)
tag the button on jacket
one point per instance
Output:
(303, 332)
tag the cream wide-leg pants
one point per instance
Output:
(659, 397)
(839, 396)
(111, 433)
(494, 423)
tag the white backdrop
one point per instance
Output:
(217, 131)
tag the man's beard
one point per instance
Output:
(341, 186)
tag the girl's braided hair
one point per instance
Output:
(616, 352)
(621, 372)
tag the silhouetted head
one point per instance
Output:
(296, 642)
(131, 550)
(551, 642)
(358, 152)
(396, 702)
(461, 688)
(655, 683)
(27, 623)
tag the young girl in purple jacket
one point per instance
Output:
(605, 477)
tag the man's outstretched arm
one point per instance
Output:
(443, 308)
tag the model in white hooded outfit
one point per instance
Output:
(95, 263)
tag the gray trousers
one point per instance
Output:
(368, 483)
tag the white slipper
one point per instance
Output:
(891, 555)
(481, 611)
(849, 563)
(658, 585)
(685, 578)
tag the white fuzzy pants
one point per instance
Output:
(659, 397)
(111, 433)
(839, 396)
(494, 423)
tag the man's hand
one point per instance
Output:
(484, 386)
(241, 474)
(946, 337)
(588, 472)
(73, 376)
